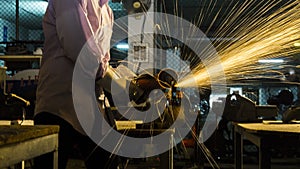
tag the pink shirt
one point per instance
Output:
(67, 25)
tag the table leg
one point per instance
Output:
(238, 150)
(171, 152)
(23, 164)
(55, 159)
(264, 155)
(166, 159)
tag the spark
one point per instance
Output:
(263, 38)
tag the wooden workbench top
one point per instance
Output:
(261, 127)
(17, 133)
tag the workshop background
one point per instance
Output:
(21, 44)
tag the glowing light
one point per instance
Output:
(123, 46)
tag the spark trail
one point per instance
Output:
(254, 36)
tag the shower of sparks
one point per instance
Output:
(249, 31)
(254, 37)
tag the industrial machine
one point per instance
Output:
(12, 106)
(140, 88)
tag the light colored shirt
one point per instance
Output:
(67, 25)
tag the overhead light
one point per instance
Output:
(122, 46)
(271, 61)
(297, 44)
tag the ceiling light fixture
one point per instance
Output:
(122, 46)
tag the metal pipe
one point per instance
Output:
(17, 20)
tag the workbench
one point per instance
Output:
(19, 143)
(265, 137)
